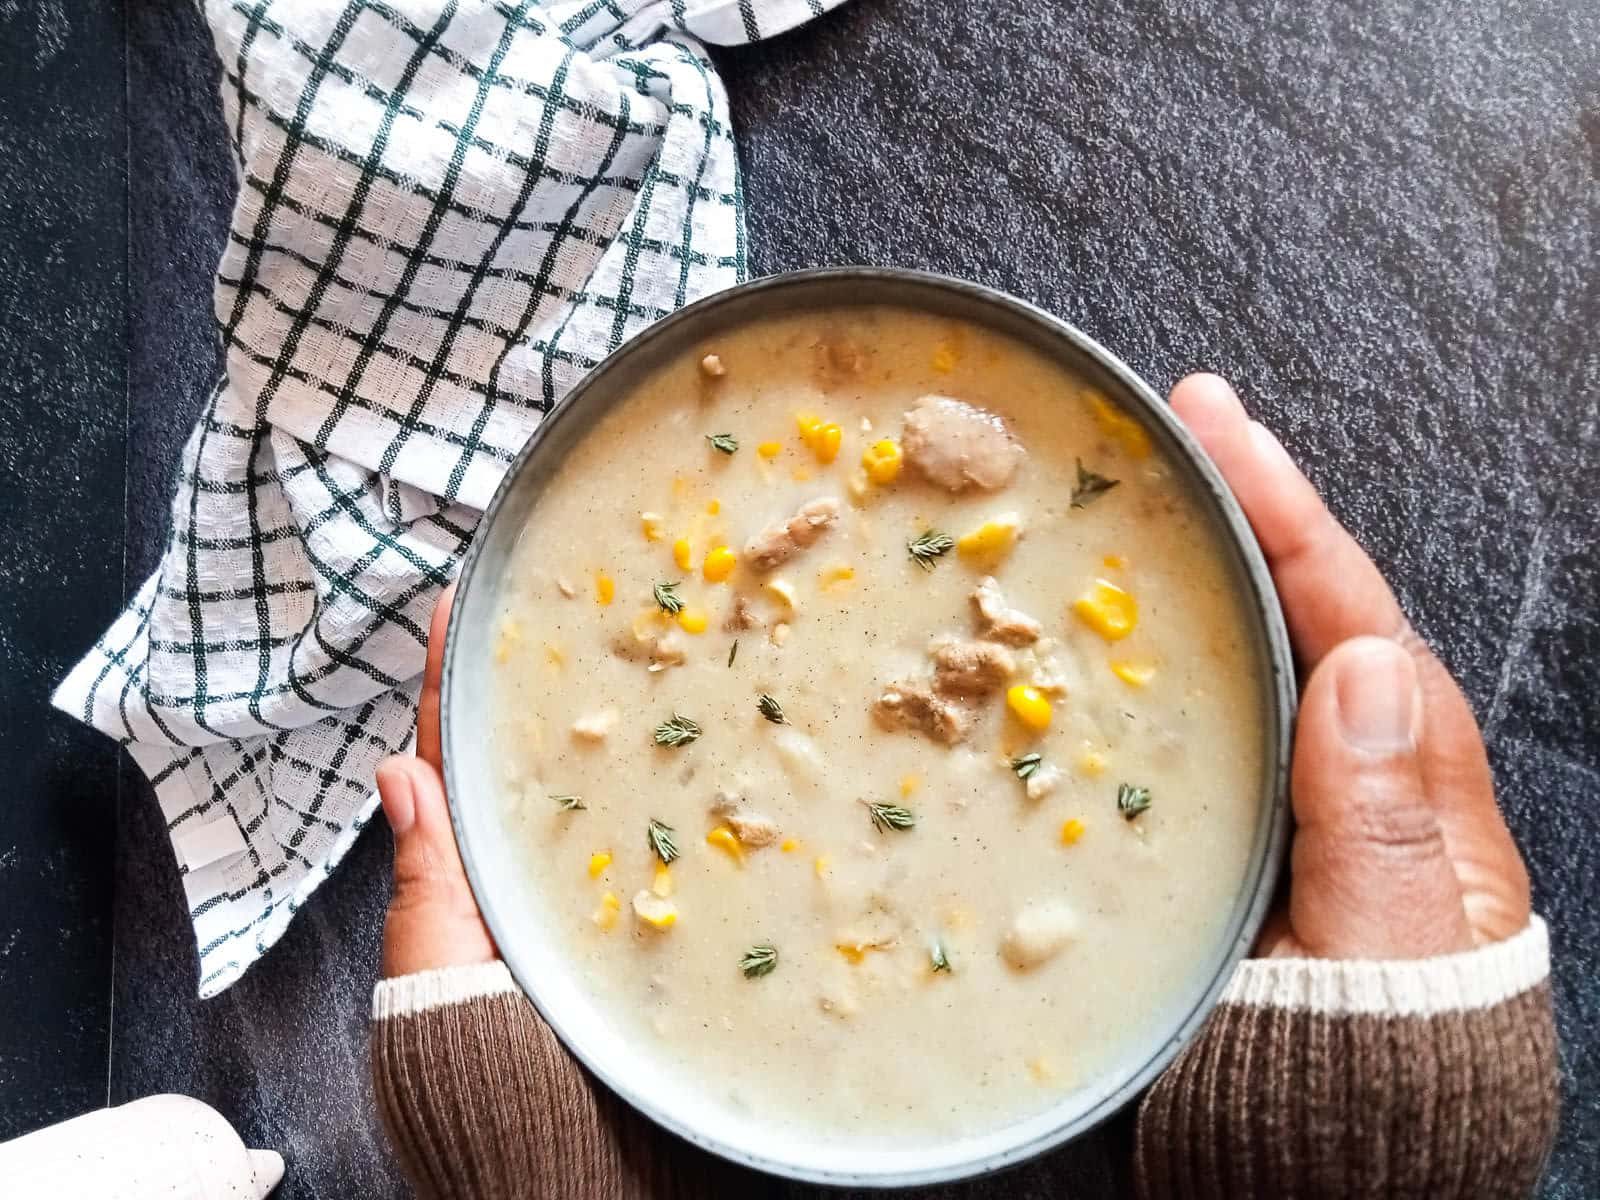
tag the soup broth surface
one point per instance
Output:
(999, 929)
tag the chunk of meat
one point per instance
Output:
(970, 668)
(741, 617)
(750, 827)
(779, 543)
(911, 706)
(1038, 933)
(660, 649)
(957, 445)
(999, 623)
(838, 360)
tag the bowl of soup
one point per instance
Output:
(866, 721)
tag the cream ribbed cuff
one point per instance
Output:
(427, 990)
(1409, 987)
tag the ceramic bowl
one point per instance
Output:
(499, 874)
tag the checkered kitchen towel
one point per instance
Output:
(448, 211)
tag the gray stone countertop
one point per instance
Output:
(1379, 219)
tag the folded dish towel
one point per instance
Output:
(448, 211)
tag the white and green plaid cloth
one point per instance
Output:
(448, 211)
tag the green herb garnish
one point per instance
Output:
(1026, 765)
(771, 710)
(938, 957)
(723, 441)
(667, 597)
(676, 731)
(891, 816)
(926, 549)
(569, 803)
(1090, 486)
(759, 960)
(733, 651)
(1131, 801)
(663, 842)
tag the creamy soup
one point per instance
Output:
(880, 725)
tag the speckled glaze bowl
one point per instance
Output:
(499, 875)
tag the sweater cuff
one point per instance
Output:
(1473, 979)
(424, 991)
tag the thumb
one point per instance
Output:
(433, 919)
(1370, 875)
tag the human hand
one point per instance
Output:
(433, 919)
(1399, 850)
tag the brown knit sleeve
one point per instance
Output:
(1430, 1079)
(482, 1101)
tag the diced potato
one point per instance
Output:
(594, 727)
(650, 524)
(653, 911)
(1038, 933)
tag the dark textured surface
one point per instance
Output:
(62, 397)
(1379, 219)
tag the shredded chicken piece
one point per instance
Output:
(594, 727)
(779, 543)
(911, 706)
(750, 827)
(957, 445)
(712, 366)
(661, 650)
(999, 623)
(742, 616)
(970, 668)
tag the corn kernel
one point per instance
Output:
(1108, 610)
(820, 865)
(1029, 705)
(661, 884)
(606, 915)
(1071, 830)
(1092, 763)
(1133, 674)
(1117, 424)
(598, 862)
(693, 620)
(650, 523)
(991, 540)
(681, 553)
(770, 450)
(1115, 561)
(944, 358)
(605, 589)
(826, 443)
(853, 952)
(655, 911)
(719, 564)
(909, 784)
(882, 461)
(725, 840)
(807, 423)
(713, 506)
(832, 577)
(789, 846)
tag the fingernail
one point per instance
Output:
(397, 796)
(1379, 708)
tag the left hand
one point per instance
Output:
(433, 919)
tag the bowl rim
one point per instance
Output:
(1263, 869)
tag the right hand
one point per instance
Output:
(1399, 850)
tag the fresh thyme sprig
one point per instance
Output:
(667, 596)
(723, 441)
(569, 803)
(733, 651)
(759, 960)
(891, 816)
(1131, 801)
(1026, 765)
(771, 710)
(1090, 486)
(937, 956)
(676, 730)
(663, 841)
(926, 548)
